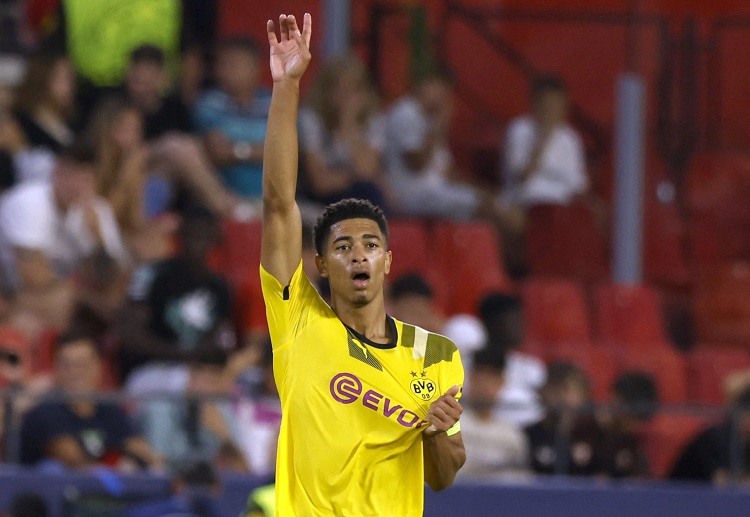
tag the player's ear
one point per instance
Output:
(320, 263)
(388, 260)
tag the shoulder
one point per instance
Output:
(435, 348)
(406, 106)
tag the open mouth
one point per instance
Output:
(361, 279)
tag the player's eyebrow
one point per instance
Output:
(371, 236)
(342, 238)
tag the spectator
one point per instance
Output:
(137, 197)
(232, 117)
(544, 156)
(721, 453)
(618, 431)
(47, 230)
(196, 424)
(45, 102)
(419, 163)
(342, 135)
(494, 446)
(178, 304)
(411, 299)
(544, 164)
(502, 316)
(563, 429)
(258, 410)
(166, 122)
(78, 431)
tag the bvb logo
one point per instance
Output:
(423, 388)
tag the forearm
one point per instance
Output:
(443, 456)
(281, 152)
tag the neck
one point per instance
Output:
(368, 320)
(83, 408)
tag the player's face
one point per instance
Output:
(356, 261)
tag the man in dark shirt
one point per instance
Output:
(178, 305)
(721, 452)
(78, 431)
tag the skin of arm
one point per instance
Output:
(68, 451)
(443, 455)
(281, 243)
(221, 150)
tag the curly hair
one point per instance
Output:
(342, 210)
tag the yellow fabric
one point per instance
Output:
(353, 414)
(454, 430)
(102, 33)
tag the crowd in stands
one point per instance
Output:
(114, 205)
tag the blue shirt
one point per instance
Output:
(216, 111)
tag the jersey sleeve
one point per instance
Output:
(453, 375)
(289, 308)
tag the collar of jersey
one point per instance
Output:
(383, 346)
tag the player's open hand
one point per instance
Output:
(444, 413)
(290, 53)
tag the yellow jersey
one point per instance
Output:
(353, 410)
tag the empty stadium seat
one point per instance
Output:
(240, 250)
(565, 241)
(708, 367)
(407, 240)
(555, 312)
(469, 260)
(721, 304)
(629, 315)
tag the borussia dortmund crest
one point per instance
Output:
(423, 388)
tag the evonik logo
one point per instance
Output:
(346, 388)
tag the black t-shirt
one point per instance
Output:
(105, 431)
(172, 116)
(36, 135)
(185, 308)
(708, 453)
(591, 450)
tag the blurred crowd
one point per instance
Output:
(114, 197)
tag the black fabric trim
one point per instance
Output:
(383, 346)
(285, 295)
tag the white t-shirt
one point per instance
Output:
(518, 400)
(562, 171)
(493, 446)
(31, 219)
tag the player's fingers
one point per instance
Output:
(283, 27)
(301, 42)
(307, 29)
(271, 33)
(453, 391)
(292, 25)
(439, 416)
(451, 402)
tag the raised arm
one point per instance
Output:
(281, 245)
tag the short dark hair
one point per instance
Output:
(547, 83)
(497, 304)
(492, 358)
(410, 283)
(81, 151)
(346, 209)
(559, 372)
(637, 391)
(243, 43)
(148, 54)
(438, 72)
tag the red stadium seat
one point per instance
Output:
(708, 367)
(629, 315)
(240, 250)
(469, 259)
(555, 312)
(408, 241)
(721, 304)
(14, 340)
(714, 178)
(565, 241)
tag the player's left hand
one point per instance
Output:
(444, 413)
